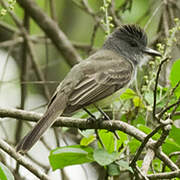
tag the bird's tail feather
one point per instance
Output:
(43, 124)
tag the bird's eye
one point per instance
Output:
(133, 44)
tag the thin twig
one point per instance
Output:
(23, 78)
(38, 163)
(165, 159)
(143, 144)
(52, 30)
(147, 138)
(156, 84)
(171, 93)
(163, 136)
(22, 160)
(53, 10)
(90, 11)
(174, 110)
(116, 20)
(8, 28)
(93, 36)
(165, 175)
(38, 72)
(171, 12)
(177, 153)
(167, 108)
(141, 175)
(99, 139)
(174, 154)
(165, 19)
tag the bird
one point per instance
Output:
(110, 70)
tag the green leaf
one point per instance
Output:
(87, 140)
(134, 145)
(137, 102)
(170, 146)
(113, 170)
(144, 128)
(70, 155)
(123, 139)
(128, 94)
(139, 163)
(5, 173)
(139, 120)
(102, 157)
(124, 165)
(107, 139)
(175, 76)
(157, 165)
(175, 134)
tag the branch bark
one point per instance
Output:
(83, 124)
(52, 30)
(22, 160)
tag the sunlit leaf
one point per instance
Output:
(70, 155)
(107, 139)
(128, 94)
(170, 146)
(138, 102)
(175, 134)
(87, 140)
(175, 76)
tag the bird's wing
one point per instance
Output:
(104, 82)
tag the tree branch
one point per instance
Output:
(155, 88)
(82, 123)
(22, 160)
(167, 175)
(52, 30)
(147, 161)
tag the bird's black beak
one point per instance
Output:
(151, 52)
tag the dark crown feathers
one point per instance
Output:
(132, 31)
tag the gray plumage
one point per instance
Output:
(109, 70)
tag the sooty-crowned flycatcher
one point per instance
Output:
(110, 69)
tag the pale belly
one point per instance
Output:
(108, 100)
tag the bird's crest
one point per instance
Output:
(133, 31)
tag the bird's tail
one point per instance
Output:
(55, 110)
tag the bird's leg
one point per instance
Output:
(92, 118)
(106, 117)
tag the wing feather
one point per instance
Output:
(100, 85)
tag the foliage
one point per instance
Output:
(70, 155)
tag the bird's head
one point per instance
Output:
(130, 41)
